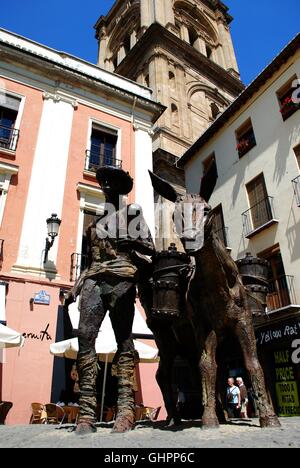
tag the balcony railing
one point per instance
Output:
(78, 264)
(95, 160)
(259, 216)
(223, 236)
(296, 185)
(281, 293)
(8, 138)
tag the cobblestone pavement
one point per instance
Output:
(238, 434)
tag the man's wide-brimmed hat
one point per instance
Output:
(119, 180)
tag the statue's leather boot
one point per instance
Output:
(124, 423)
(124, 370)
(85, 427)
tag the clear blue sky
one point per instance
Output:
(261, 28)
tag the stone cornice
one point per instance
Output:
(46, 67)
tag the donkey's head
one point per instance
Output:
(193, 217)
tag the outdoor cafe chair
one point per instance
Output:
(38, 415)
(5, 406)
(55, 414)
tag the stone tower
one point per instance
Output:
(182, 49)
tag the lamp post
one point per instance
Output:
(53, 224)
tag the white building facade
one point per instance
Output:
(255, 145)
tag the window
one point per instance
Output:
(209, 178)
(280, 285)
(297, 154)
(175, 115)
(219, 225)
(172, 81)
(147, 81)
(102, 149)
(215, 111)
(8, 115)
(261, 213)
(127, 44)
(80, 261)
(288, 97)
(245, 138)
(193, 36)
(7, 171)
(208, 52)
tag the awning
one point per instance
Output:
(106, 346)
(10, 338)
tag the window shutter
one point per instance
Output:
(261, 211)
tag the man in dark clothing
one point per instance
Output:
(108, 284)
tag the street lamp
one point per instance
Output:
(53, 224)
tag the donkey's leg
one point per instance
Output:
(166, 343)
(208, 367)
(246, 337)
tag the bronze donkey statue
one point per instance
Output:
(216, 300)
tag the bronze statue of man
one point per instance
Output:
(115, 240)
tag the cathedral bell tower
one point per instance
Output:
(182, 49)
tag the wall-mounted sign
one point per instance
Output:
(276, 333)
(41, 298)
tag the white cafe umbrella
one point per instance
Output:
(10, 338)
(106, 348)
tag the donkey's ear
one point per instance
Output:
(163, 188)
(209, 181)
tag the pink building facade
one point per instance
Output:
(60, 118)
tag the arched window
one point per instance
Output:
(172, 81)
(175, 115)
(127, 44)
(115, 61)
(208, 51)
(215, 111)
(193, 36)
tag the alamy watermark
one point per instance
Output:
(296, 92)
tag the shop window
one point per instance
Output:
(245, 138)
(289, 98)
(9, 109)
(102, 150)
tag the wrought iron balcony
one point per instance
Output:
(94, 160)
(281, 293)
(8, 138)
(223, 236)
(259, 217)
(296, 185)
(78, 264)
